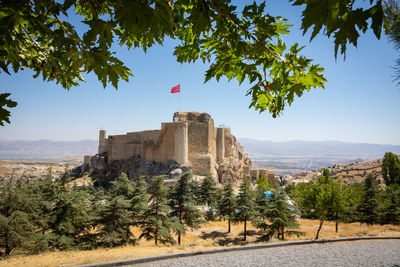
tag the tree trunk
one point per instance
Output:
(179, 233)
(283, 233)
(244, 234)
(229, 225)
(7, 247)
(321, 222)
(337, 226)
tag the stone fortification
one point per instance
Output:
(189, 143)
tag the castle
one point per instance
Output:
(190, 140)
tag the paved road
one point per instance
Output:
(360, 253)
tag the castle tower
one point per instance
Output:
(181, 142)
(220, 145)
(102, 142)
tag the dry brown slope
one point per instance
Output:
(350, 173)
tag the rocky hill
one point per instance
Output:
(350, 173)
(293, 157)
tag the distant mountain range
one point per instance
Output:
(46, 148)
(293, 157)
(283, 157)
(260, 150)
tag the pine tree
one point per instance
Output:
(245, 206)
(226, 205)
(368, 206)
(139, 202)
(390, 210)
(207, 195)
(121, 187)
(261, 218)
(18, 207)
(66, 176)
(195, 188)
(47, 190)
(391, 168)
(72, 219)
(352, 198)
(157, 224)
(183, 208)
(115, 218)
(281, 216)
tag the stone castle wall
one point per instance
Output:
(190, 139)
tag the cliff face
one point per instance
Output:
(189, 143)
(235, 164)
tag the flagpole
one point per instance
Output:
(179, 106)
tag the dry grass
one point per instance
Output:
(211, 235)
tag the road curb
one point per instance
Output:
(229, 249)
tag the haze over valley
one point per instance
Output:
(288, 157)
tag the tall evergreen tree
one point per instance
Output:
(18, 207)
(261, 218)
(158, 224)
(352, 198)
(139, 202)
(245, 206)
(368, 206)
(391, 168)
(183, 208)
(121, 187)
(114, 220)
(66, 176)
(207, 195)
(226, 205)
(195, 187)
(390, 210)
(115, 217)
(281, 216)
(48, 190)
(72, 219)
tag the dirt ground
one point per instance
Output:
(210, 235)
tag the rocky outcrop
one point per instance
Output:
(236, 164)
(134, 167)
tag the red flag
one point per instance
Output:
(176, 89)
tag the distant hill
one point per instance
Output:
(257, 149)
(350, 173)
(296, 156)
(282, 157)
(46, 148)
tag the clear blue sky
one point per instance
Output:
(360, 102)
